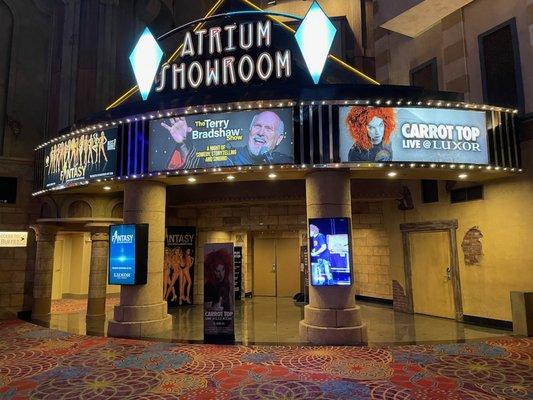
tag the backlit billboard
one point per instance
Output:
(82, 157)
(433, 135)
(128, 254)
(251, 137)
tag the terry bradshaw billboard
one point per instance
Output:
(222, 140)
(387, 134)
(81, 157)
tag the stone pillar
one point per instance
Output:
(142, 311)
(98, 272)
(45, 237)
(331, 317)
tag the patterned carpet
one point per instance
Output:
(39, 363)
(69, 306)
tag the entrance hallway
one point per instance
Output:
(270, 320)
(40, 363)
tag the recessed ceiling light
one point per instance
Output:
(191, 179)
(392, 174)
(107, 188)
(463, 176)
(272, 175)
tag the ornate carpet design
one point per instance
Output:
(70, 306)
(39, 363)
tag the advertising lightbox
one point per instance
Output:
(432, 135)
(230, 139)
(330, 251)
(128, 254)
(82, 157)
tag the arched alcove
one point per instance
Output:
(117, 210)
(79, 209)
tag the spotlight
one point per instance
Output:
(272, 175)
(107, 188)
(392, 174)
(191, 179)
(463, 176)
(230, 178)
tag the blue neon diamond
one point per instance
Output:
(145, 59)
(315, 37)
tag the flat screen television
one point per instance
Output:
(330, 251)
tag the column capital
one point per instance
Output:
(44, 232)
(98, 231)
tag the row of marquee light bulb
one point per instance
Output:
(261, 105)
(192, 174)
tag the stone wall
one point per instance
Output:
(371, 251)
(227, 223)
(17, 264)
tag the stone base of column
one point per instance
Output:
(95, 324)
(141, 321)
(326, 326)
(96, 307)
(41, 309)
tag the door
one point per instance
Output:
(288, 267)
(276, 267)
(431, 273)
(264, 267)
(57, 278)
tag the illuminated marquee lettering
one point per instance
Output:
(226, 70)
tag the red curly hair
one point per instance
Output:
(358, 119)
(215, 258)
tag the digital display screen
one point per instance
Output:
(388, 134)
(122, 255)
(82, 157)
(330, 251)
(252, 137)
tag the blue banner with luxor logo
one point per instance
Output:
(128, 254)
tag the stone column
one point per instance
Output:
(97, 274)
(45, 237)
(331, 317)
(142, 311)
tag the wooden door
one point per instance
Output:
(431, 274)
(288, 267)
(264, 274)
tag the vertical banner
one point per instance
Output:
(237, 259)
(178, 269)
(219, 297)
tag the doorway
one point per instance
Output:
(432, 268)
(276, 270)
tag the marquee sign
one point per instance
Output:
(225, 55)
(388, 134)
(80, 158)
(240, 138)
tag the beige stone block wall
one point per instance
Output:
(231, 222)
(370, 251)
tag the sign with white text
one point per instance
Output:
(13, 239)
(219, 292)
(128, 254)
(178, 267)
(387, 134)
(82, 157)
(222, 140)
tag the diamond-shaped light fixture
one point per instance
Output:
(315, 37)
(145, 59)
